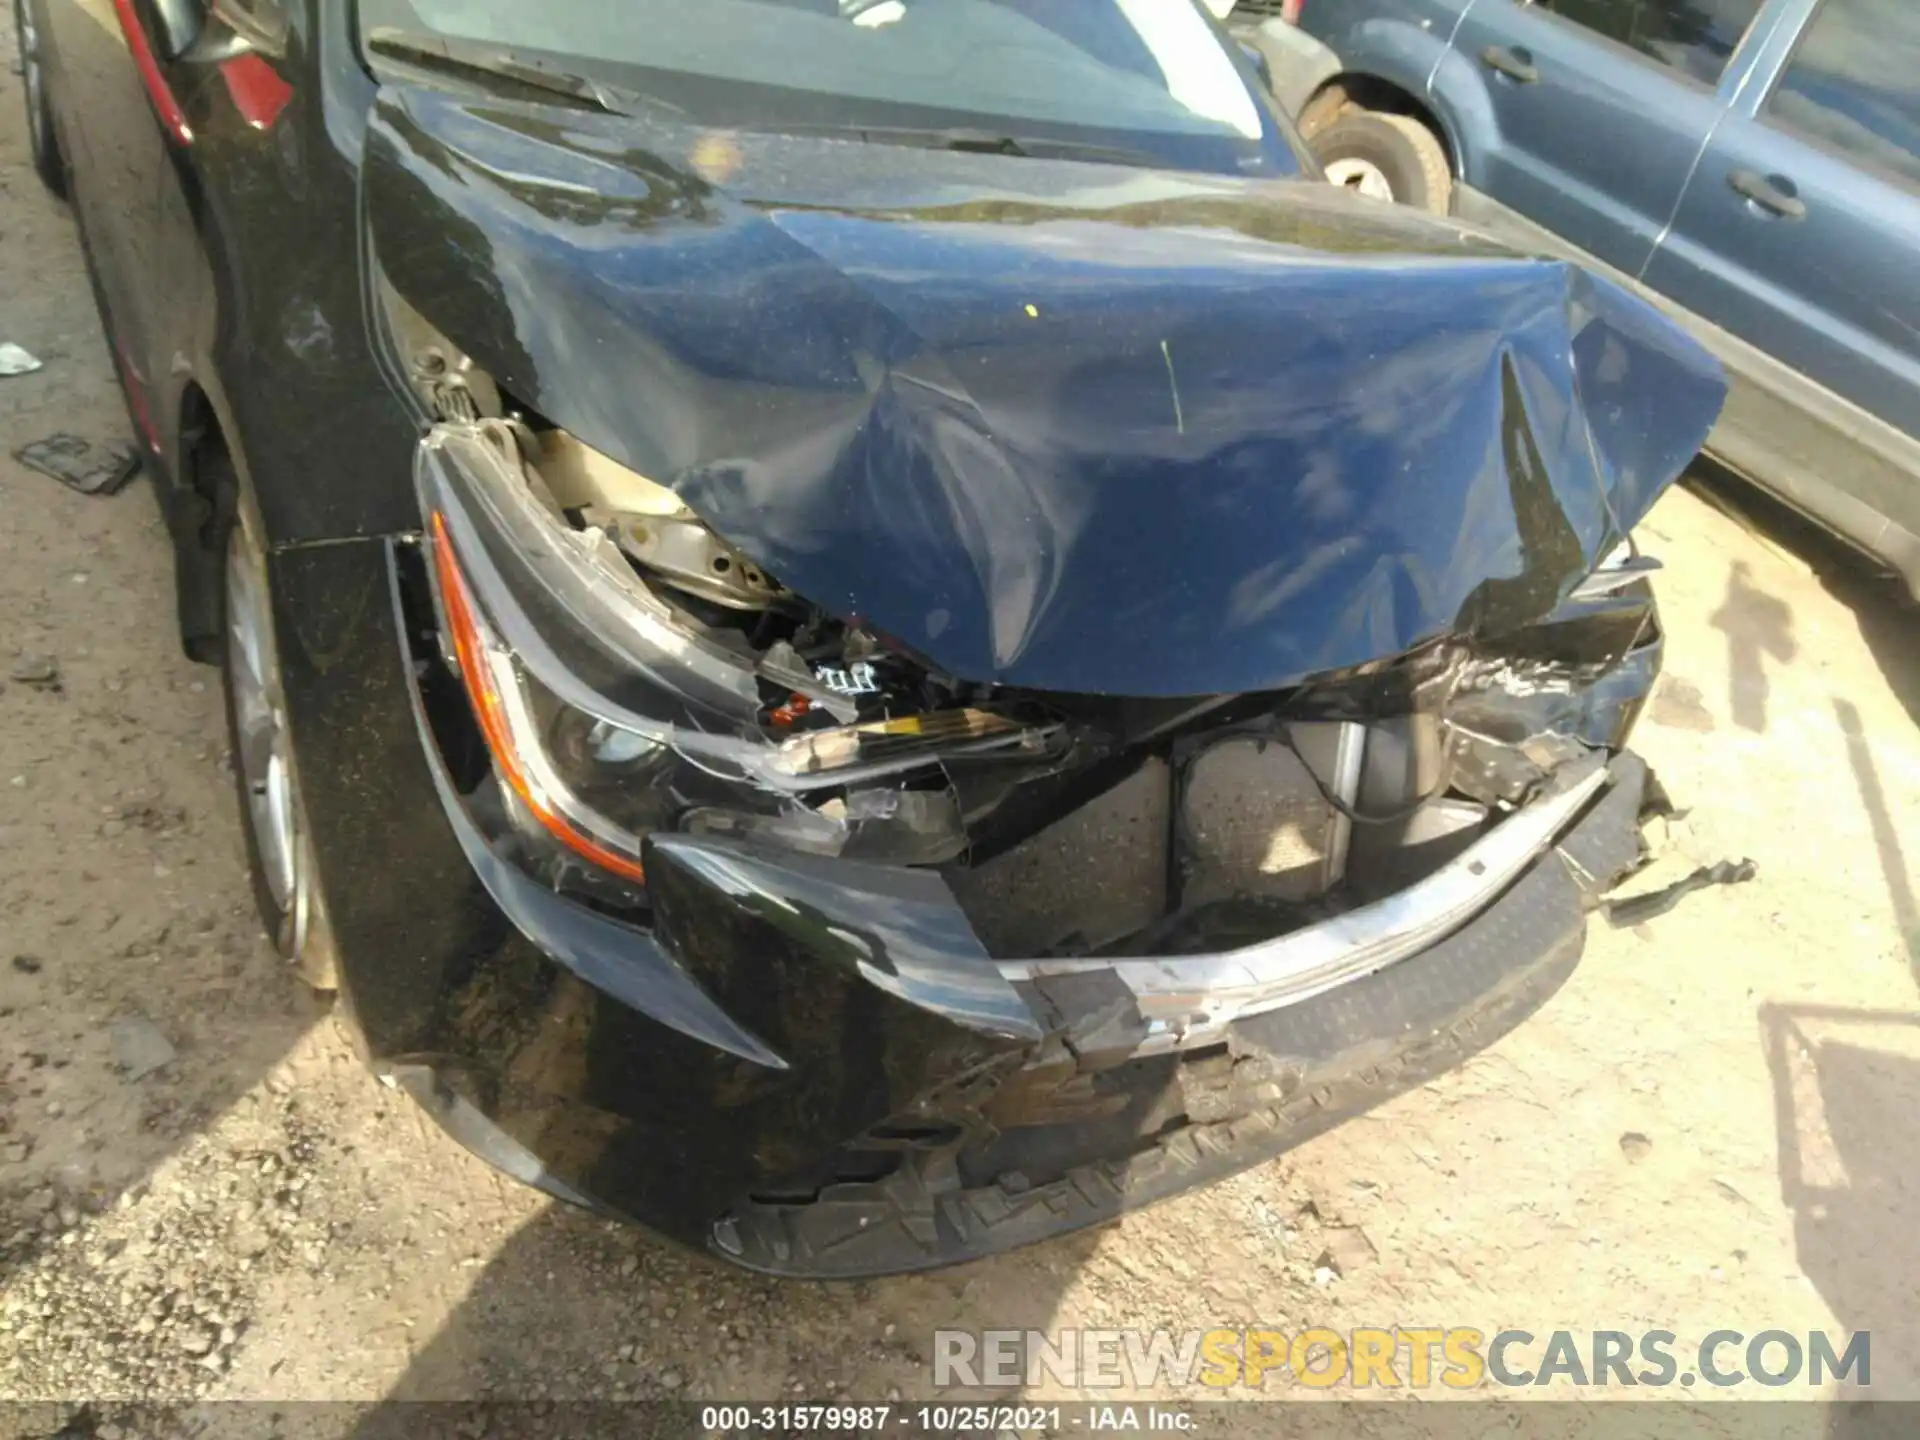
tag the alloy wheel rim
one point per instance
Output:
(263, 740)
(1361, 176)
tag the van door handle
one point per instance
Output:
(1511, 61)
(1773, 193)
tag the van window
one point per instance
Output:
(1851, 84)
(1695, 37)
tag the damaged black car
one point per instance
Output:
(866, 631)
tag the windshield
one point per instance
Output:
(1154, 75)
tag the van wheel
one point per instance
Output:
(41, 143)
(1386, 157)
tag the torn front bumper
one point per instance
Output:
(812, 1066)
(1104, 1115)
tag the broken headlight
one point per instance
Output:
(609, 713)
(535, 785)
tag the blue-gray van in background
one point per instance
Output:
(1752, 166)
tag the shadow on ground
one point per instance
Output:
(641, 1320)
(1888, 615)
(1759, 627)
(1844, 1081)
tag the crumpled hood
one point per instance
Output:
(1056, 425)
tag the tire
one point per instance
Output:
(42, 143)
(1386, 157)
(286, 884)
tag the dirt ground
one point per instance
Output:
(1713, 1126)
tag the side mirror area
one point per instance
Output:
(209, 31)
(177, 25)
(261, 24)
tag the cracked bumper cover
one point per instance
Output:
(812, 1067)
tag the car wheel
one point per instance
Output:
(279, 843)
(41, 143)
(1386, 157)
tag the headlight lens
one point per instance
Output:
(509, 724)
(596, 778)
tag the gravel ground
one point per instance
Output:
(203, 1194)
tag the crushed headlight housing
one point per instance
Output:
(510, 724)
(609, 714)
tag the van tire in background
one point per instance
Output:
(1386, 157)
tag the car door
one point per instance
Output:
(1800, 233)
(116, 119)
(1596, 111)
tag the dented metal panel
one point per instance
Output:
(1056, 425)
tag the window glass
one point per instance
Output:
(1854, 83)
(1119, 65)
(1696, 37)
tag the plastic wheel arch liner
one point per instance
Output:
(1064, 426)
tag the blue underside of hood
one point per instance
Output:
(1062, 426)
